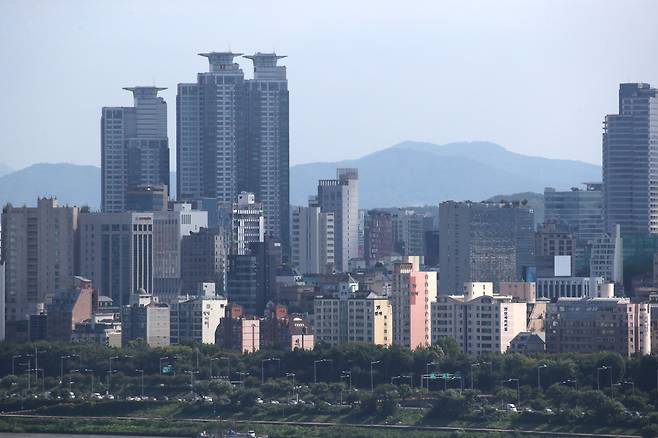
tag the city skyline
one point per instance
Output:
(468, 79)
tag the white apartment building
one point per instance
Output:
(479, 320)
(312, 235)
(361, 317)
(196, 319)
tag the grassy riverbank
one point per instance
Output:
(186, 419)
(183, 428)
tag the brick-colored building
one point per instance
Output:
(598, 324)
(68, 308)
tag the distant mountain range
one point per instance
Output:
(4, 169)
(407, 174)
(72, 184)
(414, 173)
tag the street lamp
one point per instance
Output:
(161, 359)
(27, 373)
(293, 381)
(36, 361)
(142, 375)
(192, 373)
(393, 379)
(18, 356)
(347, 375)
(212, 359)
(427, 375)
(598, 371)
(518, 392)
(372, 379)
(241, 374)
(571, 381)
(61, 368)
(228, 366)
(539, 368)
(109, 374)
(315, 368)
(473, 365)
(262, 367)
(91, 374)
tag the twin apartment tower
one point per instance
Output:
(232, 135)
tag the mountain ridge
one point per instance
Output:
(405, 174)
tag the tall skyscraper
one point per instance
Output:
(134, 147)
(38, 249)
(341, 197)
(630, 161)
(211, 131)
(484, 242)
(232, 136)
(268, 143)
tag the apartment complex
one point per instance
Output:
(233, 135)
(312, 240)
(196, 319)
(340, 196)
(356, 317)
(598, 324)
(479, 320)
(38, 251)
(412, 292)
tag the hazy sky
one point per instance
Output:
(534, 76)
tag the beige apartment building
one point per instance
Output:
(479, 320)
(361, 317)
(38, 249)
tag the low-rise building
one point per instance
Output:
(569, 287)
(237, 331)
(528, 343)
(283, 331)
(145, 319)
(69, 307)
(195, 319)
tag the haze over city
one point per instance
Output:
(535, 77)
(306, 219)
